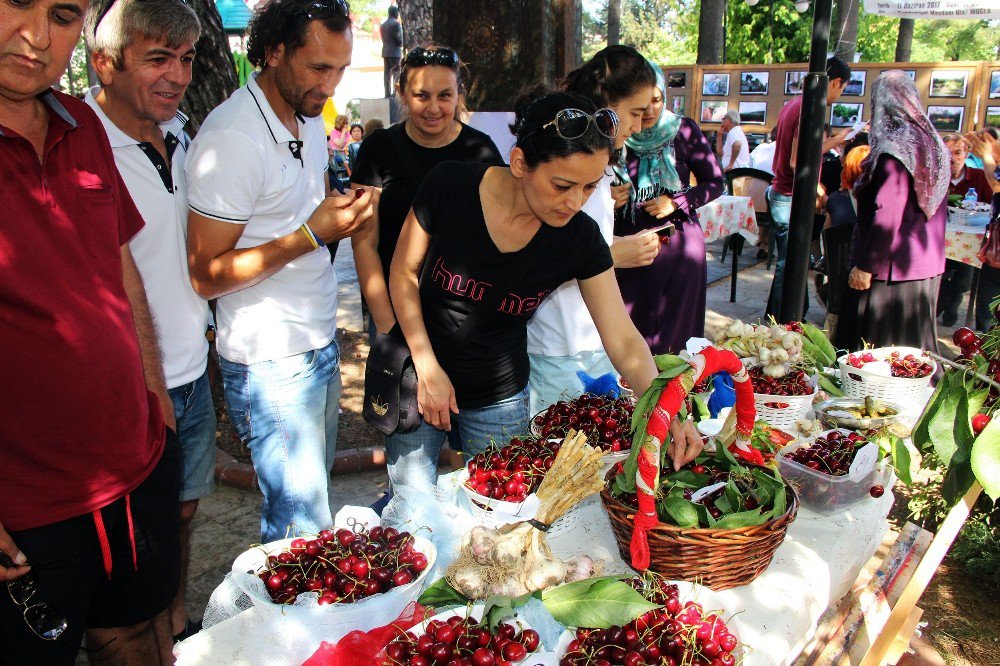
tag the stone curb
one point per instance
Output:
(235, 474)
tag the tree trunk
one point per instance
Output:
(568, 30)
(508, 45)
(847, 30)
(904, 42)
(710, 32)
(614, 21)
(417, 17)
(214, 74)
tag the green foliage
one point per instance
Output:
(75, 80)
(753, 36)
(877, 37)
(978, 550)
(955, 40)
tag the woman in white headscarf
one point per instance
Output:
(898, 247)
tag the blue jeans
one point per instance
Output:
(780, 207)
(286, 412)
(195, 414)
(412, 458)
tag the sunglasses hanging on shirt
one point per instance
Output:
(295, 147)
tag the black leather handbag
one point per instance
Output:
(391, 385)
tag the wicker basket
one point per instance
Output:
(718, 559)
(859, 383)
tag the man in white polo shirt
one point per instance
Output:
(142, 51)
(258, 222)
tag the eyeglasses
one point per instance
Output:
(420, 57)
(574, 123)
(43, 619)
(318, 9)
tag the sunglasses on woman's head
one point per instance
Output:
(43, 619)
(420, 57)
(574, 123)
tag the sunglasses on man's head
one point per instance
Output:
(43, 619)
(420, 57)
(574, 123)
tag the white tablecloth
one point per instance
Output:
(729, 215)
(814, 567)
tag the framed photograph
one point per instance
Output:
(995, 84)
(715, 83)
(753, 113)
(993, 116)
(754, 83)
(677, 80)
(912, 73)
(946, 118)
(712, 112)
(677, 104)
(793, 82)
(856, 86)
(949, 83)
(845, 115)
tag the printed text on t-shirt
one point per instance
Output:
(470, 287)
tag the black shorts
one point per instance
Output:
(67, 562)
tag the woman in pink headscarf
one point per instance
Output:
(898, 248)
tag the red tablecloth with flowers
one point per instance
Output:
(729, 215)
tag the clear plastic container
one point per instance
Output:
(827, 494)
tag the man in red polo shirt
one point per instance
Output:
(89, 485)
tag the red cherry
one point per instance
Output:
(483, 657)
(358, 193)
(876, 491)
(964, 336)
(979, 422)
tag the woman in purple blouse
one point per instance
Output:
(666, 299)
(898, 247)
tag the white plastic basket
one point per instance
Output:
(332, 621)
(792, 408)
(494, 513)
(861, 383)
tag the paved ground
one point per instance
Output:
(228, 521)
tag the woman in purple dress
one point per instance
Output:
(897, 255)
(666, 299)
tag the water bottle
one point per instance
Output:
(971, 199)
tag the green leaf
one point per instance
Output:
(441, 594)
(780, 503)
(921, 431)
(986, 458)
(741, 519)
(958, 478)
(688, 477)
(942, 427)
(670, 365)
(681, 511)
(497, 608)
(723, 504)
(901, 460)
(699, 408)
(596, 605)
(576, 588)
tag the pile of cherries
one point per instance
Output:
(514, 471)
(909, 366)
(795, 382)
(678, 633)
(460, 641)
(606, 421)
(343, 566)
(831, 454)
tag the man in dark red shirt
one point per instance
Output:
(957, 278)
(88, 499)
(786, 140)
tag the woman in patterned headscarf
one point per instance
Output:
(898, 248)
(667, 298)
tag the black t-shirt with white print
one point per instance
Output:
(464, 270)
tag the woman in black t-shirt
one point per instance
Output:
(478, 253)
(397, 159)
